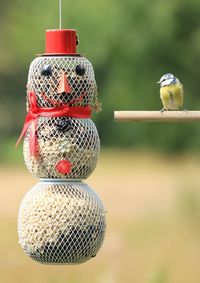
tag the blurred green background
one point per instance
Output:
(131, 44)
(148, 174)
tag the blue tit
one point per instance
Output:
(171, 92)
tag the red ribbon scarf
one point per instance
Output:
(35, 112)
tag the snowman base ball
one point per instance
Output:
(61, 222)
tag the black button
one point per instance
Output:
(63, 125)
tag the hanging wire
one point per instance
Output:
(60, 14)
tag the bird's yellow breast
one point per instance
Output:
(172, 96)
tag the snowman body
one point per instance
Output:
(61, 219)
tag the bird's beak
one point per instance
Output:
(158, 82)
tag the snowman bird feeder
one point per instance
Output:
(61, 220)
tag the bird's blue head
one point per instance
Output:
(168, 79)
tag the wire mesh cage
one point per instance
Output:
(61, 223)
(73, 143)
(45, 74)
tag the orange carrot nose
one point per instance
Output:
(63, 86)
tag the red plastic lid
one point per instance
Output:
(61, 42)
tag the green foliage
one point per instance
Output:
(8, 154)
(131, 45)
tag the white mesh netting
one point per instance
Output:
(45, 83)
(74, 140)
(61, 223)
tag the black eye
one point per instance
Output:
(80, 70)
(46, 70)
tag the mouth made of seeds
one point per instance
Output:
(57, 103)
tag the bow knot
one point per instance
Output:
(35, 112)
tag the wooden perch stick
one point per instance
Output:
(157, 116)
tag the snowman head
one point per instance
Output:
(59, 78)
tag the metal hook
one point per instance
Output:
(60, 14)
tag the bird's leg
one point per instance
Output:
(163, 109)
(182, 109)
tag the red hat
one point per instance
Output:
(61, 42)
